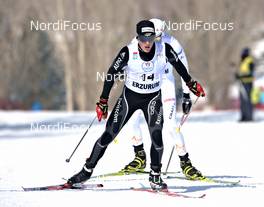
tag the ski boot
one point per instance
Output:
(188, 170)
(138, 164)
(81, 177)
(156, 182)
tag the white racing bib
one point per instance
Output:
(145, 76)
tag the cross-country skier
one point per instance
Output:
(169, 112)
(144, 62)
(246, 79)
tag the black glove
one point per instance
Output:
(186, 103)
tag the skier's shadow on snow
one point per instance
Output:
(196, 188)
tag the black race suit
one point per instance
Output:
(129, 101)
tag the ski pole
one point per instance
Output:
(183, 119)
(172, 150)
(68, 159)
(185, 116)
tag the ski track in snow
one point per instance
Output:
(218, 146)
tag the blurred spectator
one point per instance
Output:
(7, 104)
(261, 97)
(255, 95)
(36, 106)
(245, 76)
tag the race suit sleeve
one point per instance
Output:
(117, 68)
(175, 61)
(181, 54)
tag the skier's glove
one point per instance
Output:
(186, 103)
(102, 109)
(196, 88)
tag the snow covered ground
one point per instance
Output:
(34, 146)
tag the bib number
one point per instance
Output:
(147, 77)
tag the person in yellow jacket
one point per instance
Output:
(245, 76)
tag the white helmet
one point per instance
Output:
(159, 26)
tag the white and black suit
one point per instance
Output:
(141, 91)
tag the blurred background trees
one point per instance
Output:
(59, 68)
